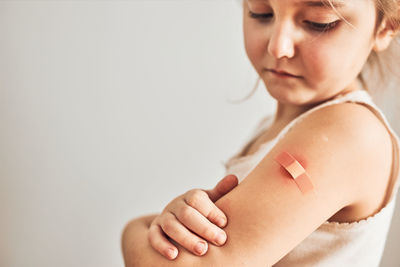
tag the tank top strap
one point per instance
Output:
(364, 98)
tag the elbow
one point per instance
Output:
(134, 243)
(127, 246)
(132, 234)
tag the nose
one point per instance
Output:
(281, 43)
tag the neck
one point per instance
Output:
(286, 112)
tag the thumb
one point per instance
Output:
(223, 187)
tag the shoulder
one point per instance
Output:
(347, 122)
(361, 143)
(353, 125)
(356, 118)
(346, 145)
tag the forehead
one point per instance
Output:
(308, 3)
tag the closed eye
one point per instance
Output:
(260, 16)
(322, 27)
(315, 26)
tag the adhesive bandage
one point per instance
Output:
(297, 171)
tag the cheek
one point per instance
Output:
(336, 60)
(326, 62)
(256, 47)
(318, 61)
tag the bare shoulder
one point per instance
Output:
(351, 122)
(355, 128)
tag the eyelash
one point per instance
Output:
(319, 27)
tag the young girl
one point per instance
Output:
(311, 55)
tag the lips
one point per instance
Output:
(283, 73)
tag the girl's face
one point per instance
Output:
(310, 41)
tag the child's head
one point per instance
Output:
(324, 44)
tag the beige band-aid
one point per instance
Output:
(297, 171)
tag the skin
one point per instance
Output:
(325, 64)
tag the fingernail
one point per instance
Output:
(172, 253)
(200, 248)
(221, 221)
(220, 239)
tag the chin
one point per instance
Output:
(290, 96)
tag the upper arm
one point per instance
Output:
(267, 213)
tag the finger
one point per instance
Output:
(197, 223)
(175, 230)
(199, 200)
(159, 242)
(223, 187)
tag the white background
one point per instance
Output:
(110, 109)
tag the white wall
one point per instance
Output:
(108, 110)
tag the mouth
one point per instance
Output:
(282, 73)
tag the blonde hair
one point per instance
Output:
(373, 72)
(373, 75)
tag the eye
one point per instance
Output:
(322, 27)
(263, 16)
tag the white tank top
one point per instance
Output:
(356, 244)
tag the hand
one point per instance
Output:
(189, 214)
